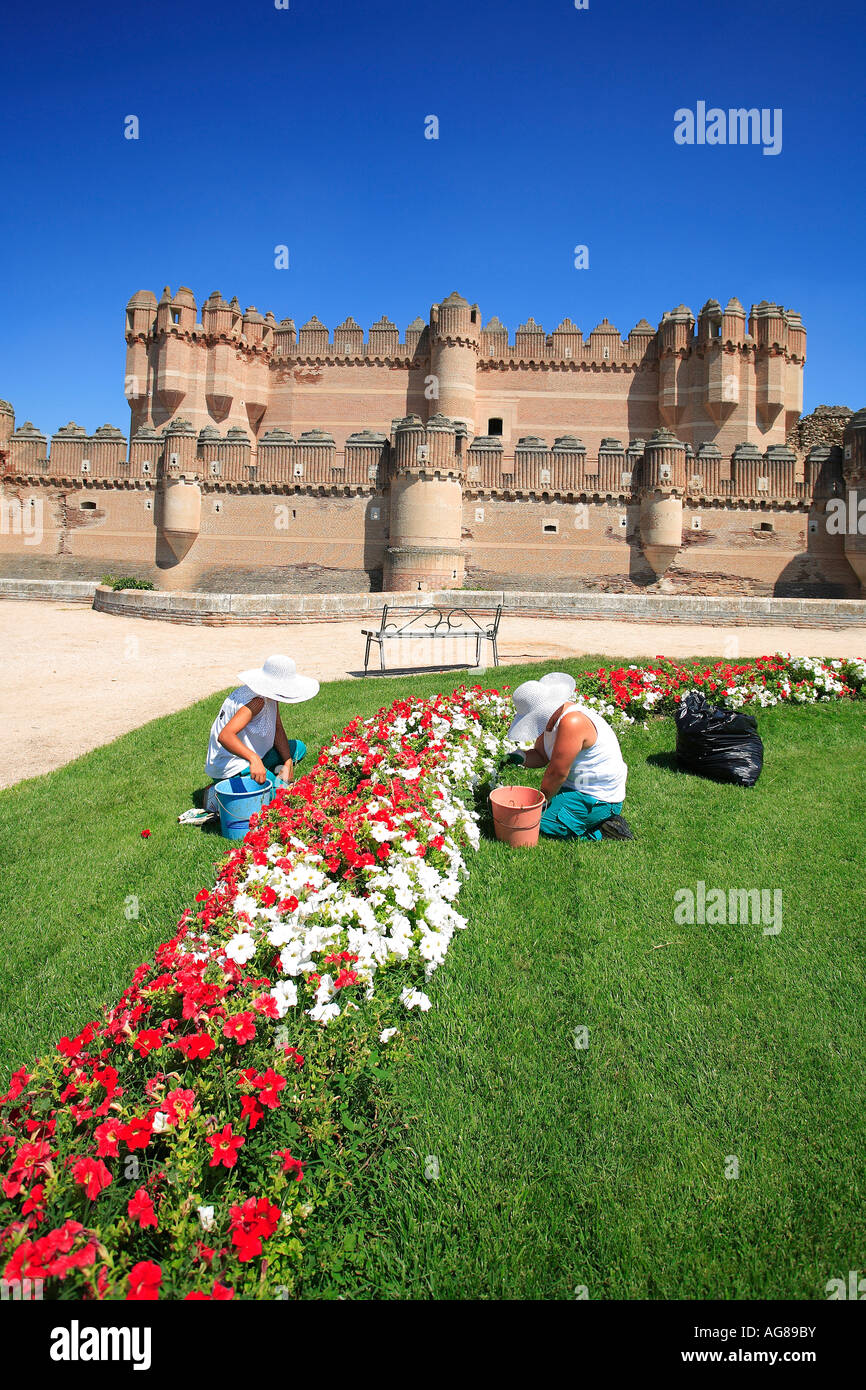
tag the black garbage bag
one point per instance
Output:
(720, 743)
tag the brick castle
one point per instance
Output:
(266, 458)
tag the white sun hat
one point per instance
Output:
(278, 679)
(534, 703)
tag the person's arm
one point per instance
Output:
(228, 737)
(281, 743)
(536, 756)
(575, 733)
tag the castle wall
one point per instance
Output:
(266, 458)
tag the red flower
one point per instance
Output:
(179, 1104)
(269, 1085)
(269, 896)
(225, 1147)
(92, 1175)
(144, 1281)
(290, 1165)
(241, 1027)
(202, 895)
(196, 1045)
(137, 1134)
(140, 1208)
(149, 1040)
(108, 1137)
(145, 834)
(251, 1110)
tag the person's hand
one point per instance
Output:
(257, 770)
(286, 772)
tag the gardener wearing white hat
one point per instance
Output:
(248, 735)
(585, 776)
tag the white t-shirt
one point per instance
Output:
(599, 771)
(258, 735)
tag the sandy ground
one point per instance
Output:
(61, 661)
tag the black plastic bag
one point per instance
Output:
(723, 744)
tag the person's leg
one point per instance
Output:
(598, 813)
(274, 761)
(564, 817)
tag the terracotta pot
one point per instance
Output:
(517, 814)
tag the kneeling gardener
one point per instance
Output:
(247, 735)
(584, 784)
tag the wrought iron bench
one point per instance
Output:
(404, 624)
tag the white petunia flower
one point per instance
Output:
(241, 948)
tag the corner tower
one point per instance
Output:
(425, 550)
(455, 333)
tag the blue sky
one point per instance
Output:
(305, 126)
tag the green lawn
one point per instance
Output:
(558, 1167)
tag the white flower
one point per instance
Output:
(285, 992)
(206, 1217)
(415, 999)
(241, 948)
(387, 1033)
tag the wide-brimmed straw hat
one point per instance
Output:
(278, 679)
(534, 703)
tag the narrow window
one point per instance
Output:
(551, 528)
(494, 425)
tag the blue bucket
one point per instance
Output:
(238, 798)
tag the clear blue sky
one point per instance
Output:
(306, 127)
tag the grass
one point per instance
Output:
(559, 1169)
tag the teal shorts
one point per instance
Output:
(571, 815)
(272, 760)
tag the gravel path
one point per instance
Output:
(61, 660)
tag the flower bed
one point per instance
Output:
(162, 1151)
(176, 1148)
(629, 694)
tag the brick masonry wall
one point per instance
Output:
(256, 540)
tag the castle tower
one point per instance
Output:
(7, 425)
(140, 319)
(663, 482)
(175, 321)
(854, 469)
(425, 549)
(455, 334)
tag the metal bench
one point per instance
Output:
(402, 624)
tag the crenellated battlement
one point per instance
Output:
(370, 459)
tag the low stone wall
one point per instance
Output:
(52, 590)
(272, 609)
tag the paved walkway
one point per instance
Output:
(64, 661)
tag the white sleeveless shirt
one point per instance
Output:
(599, 771)
(258, 735)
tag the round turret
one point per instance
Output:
(455, 328)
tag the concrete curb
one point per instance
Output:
(271, 609)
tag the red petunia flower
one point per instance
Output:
(197, 1045)
(137, 1134)
(241, 1027)
(144, 1281)
(141, 1209)
(225, 1147)
(145, 834)
(92, 1175)
(148, 1040)
(290, 1165)
(108, 1137)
